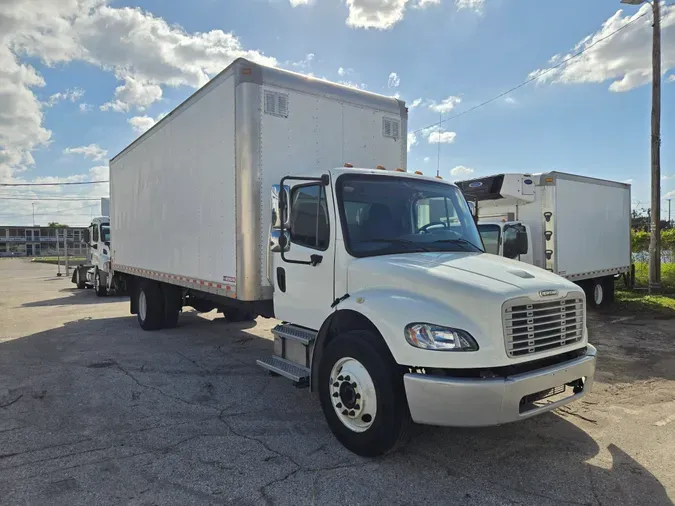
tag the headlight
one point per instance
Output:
(435, 337)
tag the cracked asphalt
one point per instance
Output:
(95, 411)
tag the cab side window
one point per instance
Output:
(309, 217)
(94, 236)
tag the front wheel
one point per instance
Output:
(100, 288)
(79, 282)
(362, 394)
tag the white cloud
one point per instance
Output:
(394, 81)
(306, 63)
(446, 105)
(628, 181)
(351, 84)
(342, 71)
(73, 95)
(472, 5)
(296, 3)
(442, 137)
(134, 93)
(669, 195)
(130, 42)
(427, 159)
(93, 151)
(412, 140)
(142, 124)
(623, 58)
(510, 100)
(84, 107)
(378, 14)
(426, 3)
(671, 78)
(460, 170)
(415, 103)
(666, 177)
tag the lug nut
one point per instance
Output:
(358, 396)
(340, 378)
(354, 384)
(345, 412)
(352, 413)
(347, 378)
(338, 405)
(335, 394)
(356, 406)
(336, 384)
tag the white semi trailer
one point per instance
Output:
(575, 226)
(244, 199)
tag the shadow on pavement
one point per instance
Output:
(188, 410)
(86, 296)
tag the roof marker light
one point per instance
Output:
(400, 170)
(419, 172)
(349, 166)
(439, 177)
(380, 167)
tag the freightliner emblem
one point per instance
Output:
(548, 293)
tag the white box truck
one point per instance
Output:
(244, 199)
(575, 226)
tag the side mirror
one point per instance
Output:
(280, 242)
(515, 241)
(86, 238)
(279, 203)
(95, 246)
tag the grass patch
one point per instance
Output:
(54, 260)
(640, 303)
(667, 276)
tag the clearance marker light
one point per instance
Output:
(379, 167)
(419, 172)
(349, 166)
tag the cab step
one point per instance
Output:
(294, 333)
(298, 374)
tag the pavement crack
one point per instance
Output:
(11, 402)
(72, 443)
(58, 457)
(194, 362)
(160, 391)
(268, 500)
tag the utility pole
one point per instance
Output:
(655, 215)
(33, 214)
(655, 239)
(669, 222)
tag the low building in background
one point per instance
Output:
(40, 241)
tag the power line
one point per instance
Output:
(53, 213)
(534, 78)
(64, 199)
(53, 184)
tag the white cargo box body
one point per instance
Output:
(580, 225)
(590, 222)
(190, 197)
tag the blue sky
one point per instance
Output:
(67, 59)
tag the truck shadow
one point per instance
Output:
(75, 296)
(203, 377)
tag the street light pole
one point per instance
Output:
(655, 214)
(33, 214)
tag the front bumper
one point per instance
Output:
(473, 402)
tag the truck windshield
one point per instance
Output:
(491, 235)
(105, 233)
(384, 215)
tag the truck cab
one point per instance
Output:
(94, 274)
(393, 311)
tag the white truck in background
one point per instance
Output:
(575, 226)
(94, 272)
(244, 199)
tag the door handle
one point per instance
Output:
(281, 278)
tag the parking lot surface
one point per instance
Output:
(95, 411)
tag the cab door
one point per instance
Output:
(303, 276)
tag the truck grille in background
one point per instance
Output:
(534, 327)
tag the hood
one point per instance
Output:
(436, 272)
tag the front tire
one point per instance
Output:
(362, 394)
(150, 306)
(79, 282)
(99, 287)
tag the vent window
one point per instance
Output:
(391, 128)
(276, 104)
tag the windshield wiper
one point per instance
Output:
(398, 241)
(460, 240)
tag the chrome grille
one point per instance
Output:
(533, 327)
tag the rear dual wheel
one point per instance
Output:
(158, 305)
(600, 291)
